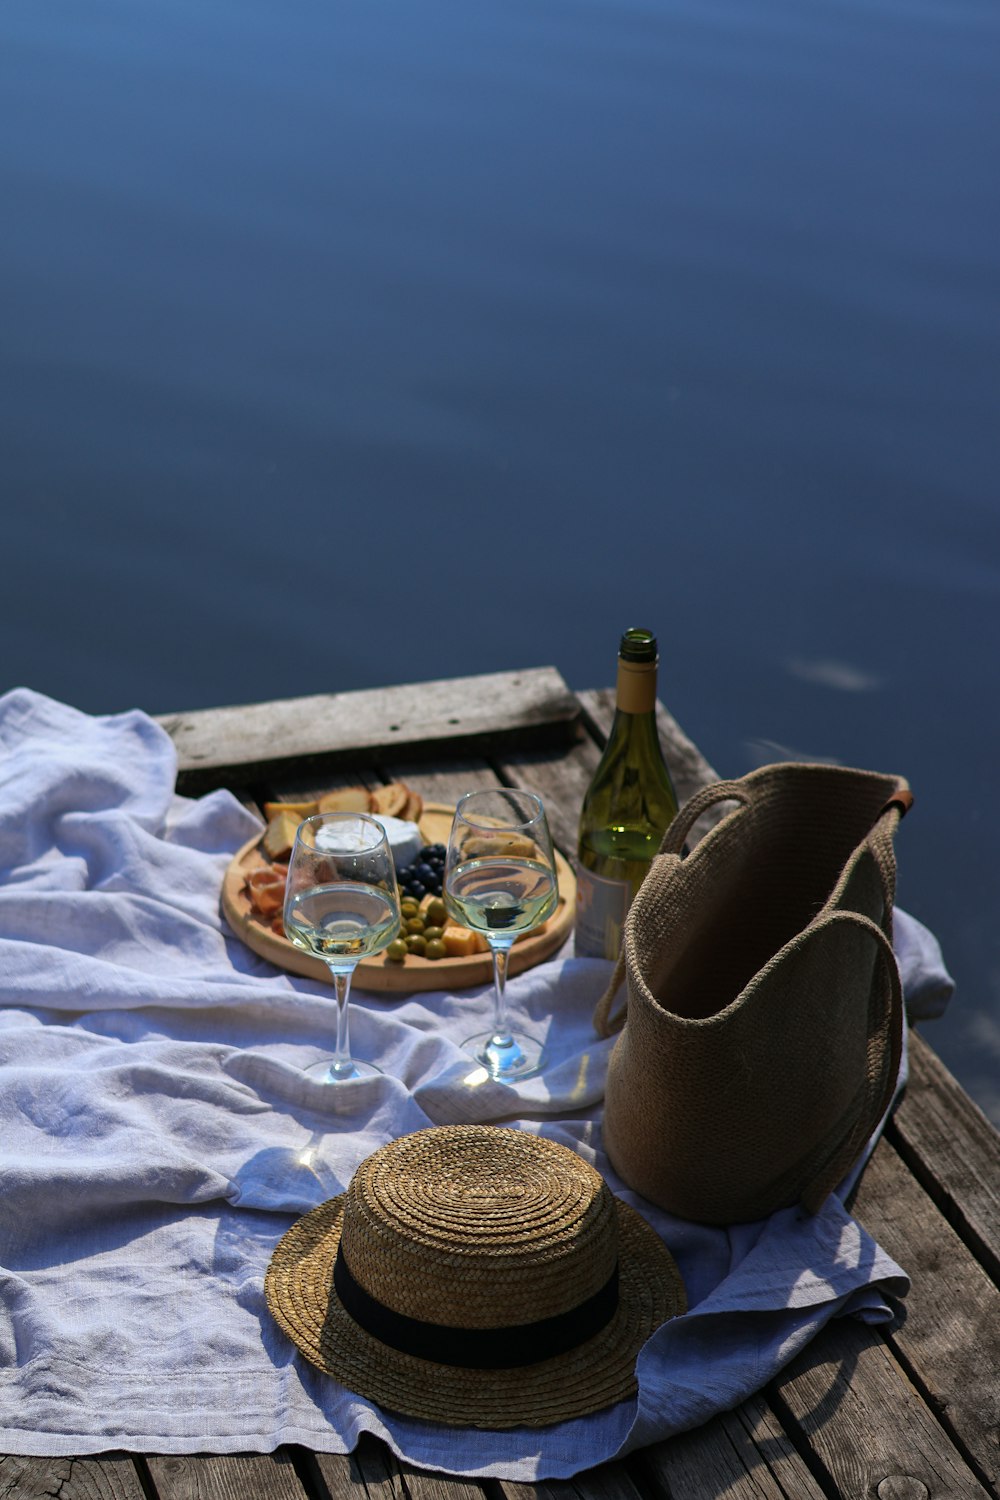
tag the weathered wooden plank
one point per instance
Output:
(248, 742)
(610, 1481)
(740, 1455)
(271, 1476)
(371, 1471)
(373, 1467)
(866, 1426)
(949, 1334)
(110, 1476)
(953, 1149)
(421, 1485)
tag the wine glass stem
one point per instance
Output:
(501, 1026)
(341, 1061)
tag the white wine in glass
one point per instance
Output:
(341, 905)
(500, 880)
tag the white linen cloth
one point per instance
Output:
(158, 1136)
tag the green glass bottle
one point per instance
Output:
(627, 807)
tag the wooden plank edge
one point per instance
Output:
(737, 1454)
(104, 1476)
(946, 1333)
(868, 1431)
(274, 1476)
(455, 716)
(953, 1151)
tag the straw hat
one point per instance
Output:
(476, 1276)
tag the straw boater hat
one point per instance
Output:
(477, 1276)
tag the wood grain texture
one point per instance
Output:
(610, 1481)
(272, 1476)
(383, 1477)
(110, 1476)
(239, 745)
(847, 1398)
(740, 1455)
(954, 1150)
(951, 1314)
(369, 1473)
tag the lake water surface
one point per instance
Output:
(367, 341)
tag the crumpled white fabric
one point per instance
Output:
(158, 1136)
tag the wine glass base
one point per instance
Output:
(507, 1059)
(346, 1072)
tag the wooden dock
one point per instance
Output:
(901, 1412)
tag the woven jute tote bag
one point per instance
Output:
(764, 1016)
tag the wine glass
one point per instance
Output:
(500, 880)
(341, 904)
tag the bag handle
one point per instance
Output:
(604, 1023)
(716, 791)
(890, 1032)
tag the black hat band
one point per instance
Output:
(476, 1348)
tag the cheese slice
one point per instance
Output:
(404, 839)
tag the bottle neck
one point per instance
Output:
(636, 690)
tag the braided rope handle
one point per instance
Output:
(716, 791)
(604, 1023)
(607, 1023)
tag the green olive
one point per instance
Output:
(396, 951)
(436, 949)
(409, 907)
(415, 926)
(436, 913)
(430, 933)
(417, 944)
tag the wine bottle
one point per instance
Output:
(627, 807)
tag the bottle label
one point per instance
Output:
(601, 906)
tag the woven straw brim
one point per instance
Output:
(596, 1374)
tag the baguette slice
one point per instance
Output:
(279, 836)
(346, 799)
(391, 799)
(300, 809)
(435, 827)
(414, 807)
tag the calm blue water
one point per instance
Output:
(362, 342)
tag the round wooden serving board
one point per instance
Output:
(379, 973)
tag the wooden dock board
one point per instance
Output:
(234, 746)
